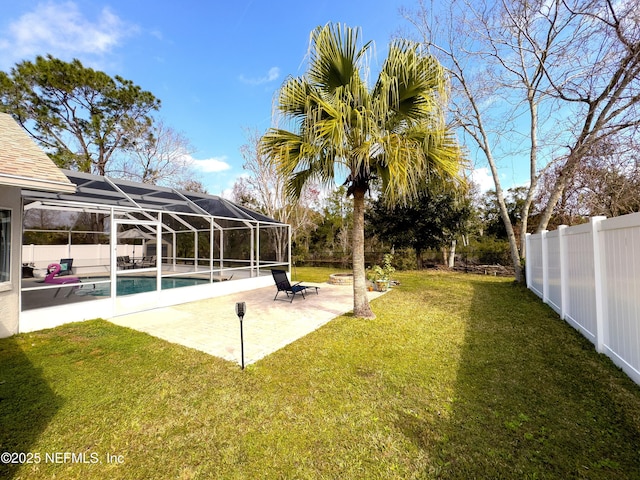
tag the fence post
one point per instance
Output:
(564, 270)
(599, 283)
(545, 267)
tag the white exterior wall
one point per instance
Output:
(11, 199)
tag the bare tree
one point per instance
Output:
(461, 38)
(158, 155)
(264, 190)
(600, 87)
(607, 182)
(533, 77)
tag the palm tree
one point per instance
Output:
(394, 132)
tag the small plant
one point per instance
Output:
(385, 271)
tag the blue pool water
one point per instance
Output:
(129, 285)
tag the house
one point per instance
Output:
(23, 164)
(132, 246)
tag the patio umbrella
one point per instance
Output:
(134, 233)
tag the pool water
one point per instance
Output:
(131, 285)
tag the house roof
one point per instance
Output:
(24, 164)
(114, 192)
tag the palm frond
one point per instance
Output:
(293, 96)
(335, 55)
(411, 84)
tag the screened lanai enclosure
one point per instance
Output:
(116, 247)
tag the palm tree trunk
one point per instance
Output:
(361, 308)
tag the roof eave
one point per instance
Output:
(37, 183)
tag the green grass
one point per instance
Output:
(459, 376)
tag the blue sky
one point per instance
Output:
(215, 65)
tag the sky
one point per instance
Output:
(216, 66)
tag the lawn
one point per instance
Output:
(459, 376)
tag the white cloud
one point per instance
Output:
(484, 179)
(61, 29)
(211, 165)
(272, 74)
(227, 193)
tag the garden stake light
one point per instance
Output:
(241, 308)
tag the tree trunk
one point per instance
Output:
(558, 189)
(452, 254)
(504, 214)
(533, 173)
(361, 308)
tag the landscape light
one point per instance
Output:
(241, 309)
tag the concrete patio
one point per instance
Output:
(212, 326)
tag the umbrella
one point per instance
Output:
(134, 233)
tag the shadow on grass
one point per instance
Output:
(27, 404)
(532, 399)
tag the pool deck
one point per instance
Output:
(212, 326)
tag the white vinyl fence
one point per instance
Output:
(92, 258)
(590, 275)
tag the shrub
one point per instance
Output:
(488, 250)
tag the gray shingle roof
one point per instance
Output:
(24, 164)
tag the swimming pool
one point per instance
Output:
(130, 285)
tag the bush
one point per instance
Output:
(404, 259)
(487, 251)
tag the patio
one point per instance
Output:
(212, 326)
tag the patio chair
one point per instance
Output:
(124, 263)
(147, 262)
(54, 276)
(283, 285)
(66, 265)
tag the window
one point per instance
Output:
(5, 245)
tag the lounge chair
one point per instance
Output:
(147, 262)
(283, 285)
(66, 265)
(53, 276)
(62, 268)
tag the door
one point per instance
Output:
(135, 275)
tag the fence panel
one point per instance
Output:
(589, 274)
(554, 288)
(83, 255)
(580, 304)
(535, 268)
(621, 252)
